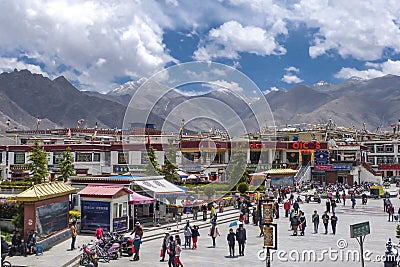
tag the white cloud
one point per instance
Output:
(226, 85)
(358, 29)
(291, 75)
(231, 38)
(375, 70)
(291, 78)
(9, 64)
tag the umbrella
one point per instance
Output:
(235, 223)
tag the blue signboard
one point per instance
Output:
(95, 213)
(120, 224)
(51, 218)
(321, 157)
(342, 166)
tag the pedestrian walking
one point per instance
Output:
(294, 223)
(344, 199)
(195, 235)
(353, 200)
(164, 246)
(187, 232)
(73, 234)
(231, 238)
(390, 211)
(99, 232)
(337, 196)
(328, 206)
(171, 252)
(178, 251)
(325, 221)
(276, 210)
(286, 207)
(137, 241)
(195, 211)
(213, 233)
(302, 223)
(334, 220)
(315, 220)
(241, 238)
(333, 205)
(296, 206)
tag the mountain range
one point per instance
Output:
(26, 97)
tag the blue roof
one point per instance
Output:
(123, 176)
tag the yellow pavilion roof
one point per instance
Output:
(281, 171)
(45, 191)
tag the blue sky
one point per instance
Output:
(98, 45)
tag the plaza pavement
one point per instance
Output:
(381, 230)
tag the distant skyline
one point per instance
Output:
(98, 45)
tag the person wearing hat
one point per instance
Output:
(138, 230)
(99, 232)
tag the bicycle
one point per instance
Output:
(5, 263)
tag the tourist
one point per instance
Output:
(344, 199)
(286, 207)
(353, 200)
(337, 196)
(31, 242)
(73, 234)
(195, 211)
(325, 220)
(276, 204)
(315, 220)
(328, 206)
(241, 238)
(138, 230)
(390, 211)
(302, 223)
(16, 244)
(231, 238)
(136, 245)
(296, 206)
(213, 233)
(99, 232)
(171, 252)
(178, 250)
(187, 232)
(334, 220)
(294, 223)
(333, 205)
(195, 235)
(4, 249)
(164, 246)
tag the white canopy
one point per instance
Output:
(158, 187)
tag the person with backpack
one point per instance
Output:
(187, 232)
(195, 235)
(241, 238)
(231, 238)
(171, 252)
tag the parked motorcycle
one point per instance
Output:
(88, 256)
(112, 247)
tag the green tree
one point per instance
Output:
(152, 167)
(236, 171)
(38, 165)
(209, 190)
(67, 169)
(18, 218)
(169, 167)
(243, 187)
